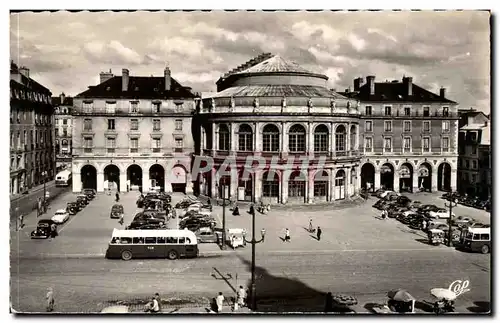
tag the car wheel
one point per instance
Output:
(172, 255)
(485, 249)
(126, 255)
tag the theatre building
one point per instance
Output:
(409, 136)
(133, 133)
(273, 108)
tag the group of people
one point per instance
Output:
(241, 301)
(154, 305)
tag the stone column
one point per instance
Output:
(347, 183)
(77, 182)
(453, 179)
(348, 139)
(414, 184)
(234, 183)
(234, 138)
(202, 140)
(396, 181)
(215, 141)
(285, 175)
(257, 137)
(310, 139)
(332, 184)
(434, 180)
(310, 185)
(146, 182)
(332, 136)
(358, 180)
(377, 179)
(100, 181)
(284, 138)
(213, 181)
(257, 186)
(123, 182)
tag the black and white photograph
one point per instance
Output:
(242, 162)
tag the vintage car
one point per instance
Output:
(206, 235)
(60, 216)
(89, 192)
(72, 208)
(81, 203)
(43, 229)
(441, 214)
(83, 197)
(116, 211)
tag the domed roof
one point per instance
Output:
(275, 64)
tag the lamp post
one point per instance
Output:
(253, 242)
(44, 176)
(452, 202)
(223, 187)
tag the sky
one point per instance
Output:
(66, 51)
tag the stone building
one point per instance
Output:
(133, 132)
(274, 109)
(474, 161)
(63, 130)
(409, 136)
(31, 132)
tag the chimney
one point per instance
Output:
(125, 79)
(168, 80)
(408, 82)
(358, 83)
(24, 71)
(62, 97)
(104, 76)
(370, 80)
(442, 92)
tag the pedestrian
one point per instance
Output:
(252, 210)
(21, 221)
(263, 234)
(219, 301)
(318, 233)
(155, 307)
(424, 225)
(117, 197)
(50, 299)
(158, 299)
(310, 225)
(232, 239)
(287, 235)
(53, 230)
(121, 221)
(242, 296)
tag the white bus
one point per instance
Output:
(63, 178)
(171, 244)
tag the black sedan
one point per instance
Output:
(43, 229)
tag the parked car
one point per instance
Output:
(206, 235)
(72, 208)
(116, 211)
(433, 224)
(60, 216)
(83, 198)
(377, 192)
(81, 204)
(441, 214)
(403, 200)
(89, 192)
(138, 225)
(383, 193)
(43, 229)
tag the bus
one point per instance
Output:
(170, 244)
(63, 178)
(477, 240)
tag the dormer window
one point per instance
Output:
(426, 111)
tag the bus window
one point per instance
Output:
(114, 240)
(485, 237)
(160, 240)
(125, 240)
(138, 240)
(476, 236)
(171, 239)
(188, 241)
(150, 240)
(182, 240)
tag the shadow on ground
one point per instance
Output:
(480, 307)
(279, 294)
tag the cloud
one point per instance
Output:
(66, 51)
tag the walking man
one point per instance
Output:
(318, 233)
(158, 299)
(21, 221)
(310, 225)
(287, 235)
(50, 299)
(219, 300)
(242, 295)
(121, 219)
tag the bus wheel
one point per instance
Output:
(485, 249)
(172, 255)
(126, 255)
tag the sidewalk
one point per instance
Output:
(33, 190)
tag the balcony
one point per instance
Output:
(123, 113)
(122, 151)
(283, 156)
(413, 114)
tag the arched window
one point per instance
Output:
(270, 138)
(245, 138)
(297, 185)
(224, 137)
(353, 138)
(297, 138)
(321, 138)
(270, 184)
(340, 139)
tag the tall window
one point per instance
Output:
(87, 124)
(445, 144)
(340, 138)
(270, 184)
(65, 121)
(156, 145)
(387, 144)
(321, 138)
(178, 124)
(446, 112)
(368, 110)
(407, 144)
(179, 143)
(134, 106)
(65, 132)
(446, 126)
(134, 145)
(110, 144)
(224, 138)
(427, 126)
(387, 110)
(368, 126)
(426, 144)
(297, 138)
(407, 111)
(111, 124)
(407, 126)
(156, 125)
(134, 124)
(245, 138)
(296, 185)
(388, 126)
(368, 144)
(88, 144)
(270, 138)
(57, 132)
(426, 111)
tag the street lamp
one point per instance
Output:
(450, 205)
(223, 186)
(44, 176)
(253, 242)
